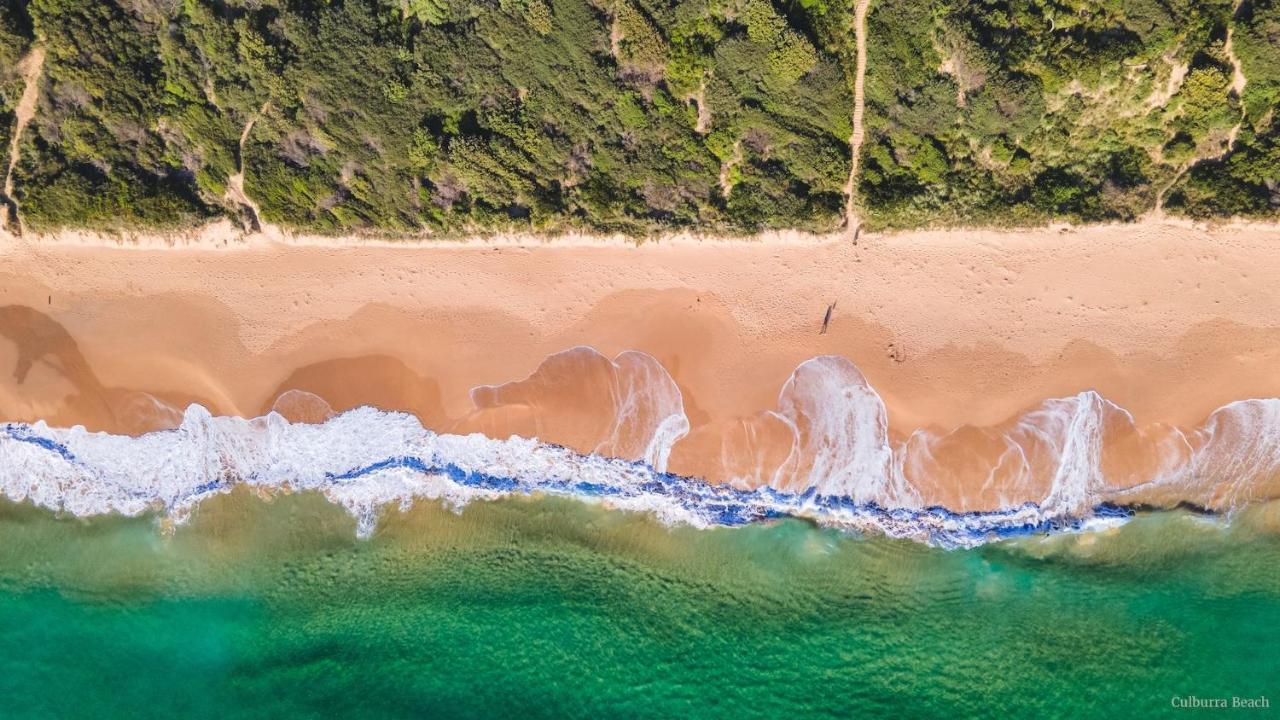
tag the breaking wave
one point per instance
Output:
(365, 459)
(1068, 464)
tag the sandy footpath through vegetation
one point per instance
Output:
(31, 67)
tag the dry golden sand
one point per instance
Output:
(952, 328)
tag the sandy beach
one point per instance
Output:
(960, 333)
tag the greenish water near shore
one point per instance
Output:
(551, 608)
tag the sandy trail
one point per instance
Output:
(235, 183)
(855, 140)
(31, 67)
(952, 329)
(1238, 82)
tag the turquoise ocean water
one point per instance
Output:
(548, 607)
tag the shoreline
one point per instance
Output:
(960, 333)
(223, 234)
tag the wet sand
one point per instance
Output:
(951, 329)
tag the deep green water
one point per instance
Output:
(545, 608)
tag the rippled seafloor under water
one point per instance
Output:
(554, 608)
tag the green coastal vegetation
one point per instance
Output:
(450, 116)
(992, 111)
(636, 116)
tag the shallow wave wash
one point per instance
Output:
(1066, 464)
(366, 459)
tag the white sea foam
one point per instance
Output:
(644, 406)
(1071, 430)
(1236, 456)
(365, 459)
(841, 430)
(649, 410)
